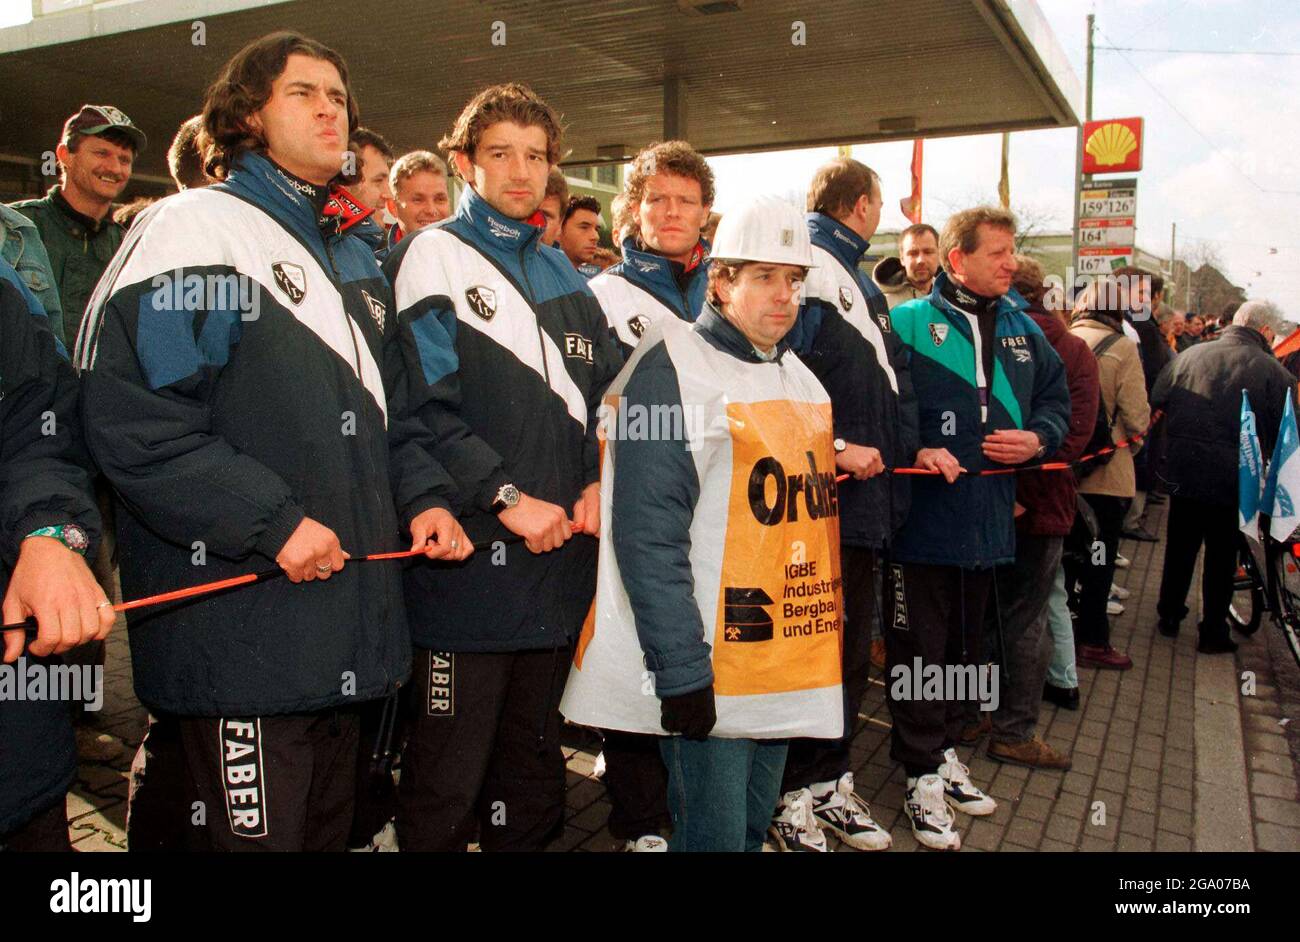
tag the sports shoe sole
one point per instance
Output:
(955, 806)
(785, 848)
(922, 842)
(844, 836)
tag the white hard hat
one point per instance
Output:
(764, 229)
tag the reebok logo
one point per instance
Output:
(501, 230)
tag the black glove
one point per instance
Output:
(691, 714)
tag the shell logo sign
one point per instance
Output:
(1112, 146)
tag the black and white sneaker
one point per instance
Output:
(959, 791)
(795, 828)
(838, 809)
(929, 813)
(384, 841)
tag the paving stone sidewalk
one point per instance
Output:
(1173, 752)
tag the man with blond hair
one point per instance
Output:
(509, 357)
(419, 184)
(991, 393)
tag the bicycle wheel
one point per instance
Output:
(1286, 585)
(1247, 607)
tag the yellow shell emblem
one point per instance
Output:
(1111, 144)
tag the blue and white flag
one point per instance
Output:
(1282, 487)
(1250, 478)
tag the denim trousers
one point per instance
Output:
(722, 792)
(1061, 672)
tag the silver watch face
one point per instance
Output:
(508, 495)
(75, 538)
(839, 445)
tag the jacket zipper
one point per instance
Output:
(356, 353)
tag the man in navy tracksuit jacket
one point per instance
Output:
(48, 522)
(844, 336)
(244, 393)
(509, 356)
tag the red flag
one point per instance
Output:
(911, 205)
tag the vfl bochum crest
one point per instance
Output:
(482, 301)
(376, 309)
(846, 298)
(290, 279)
(938, 333)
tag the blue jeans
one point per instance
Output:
(1061, 671)
(722, 792)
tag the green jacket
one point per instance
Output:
(79, 252)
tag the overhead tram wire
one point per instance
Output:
(1200, 52)
(1188, 121)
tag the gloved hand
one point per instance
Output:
(691, 714)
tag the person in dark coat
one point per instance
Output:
(48, 522)
(1155, 353)
(1201, 395)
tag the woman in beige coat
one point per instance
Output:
(1108, 489)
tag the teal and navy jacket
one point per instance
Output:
(970, 523)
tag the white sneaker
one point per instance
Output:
(1119, 592)
(647, 844)
(1114, 608)
(384, 842)
(795, 827)
(838, 809)
(929, 813)
(958, 789)
(1122, 562)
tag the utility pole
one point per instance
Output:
(1078, 151)
(1004, 181)
(1173, 255)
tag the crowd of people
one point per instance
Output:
(668, 492)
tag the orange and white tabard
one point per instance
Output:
(779, 611)
(764, 553)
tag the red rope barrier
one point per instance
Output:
(252, 577)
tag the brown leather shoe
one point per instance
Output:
(976, 731)
(878, 654)
(1034, 754)
(1103, 656)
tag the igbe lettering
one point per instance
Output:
(819, 490)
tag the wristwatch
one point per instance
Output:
(507, 496)
(840, 445)
(69, 534)
(1042, 447)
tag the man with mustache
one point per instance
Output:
(95, 155)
